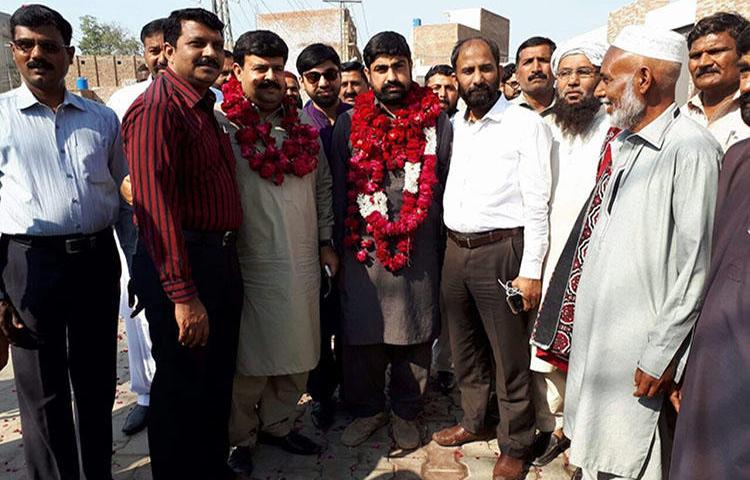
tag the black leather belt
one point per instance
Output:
(215, 239)
(474, 240)
(70, 244)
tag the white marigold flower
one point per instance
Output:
(430, 135)
(411, 177)
(376, 202)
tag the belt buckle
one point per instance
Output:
(78, 245)
(226, 238)
(468, 242)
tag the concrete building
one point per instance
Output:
(9, 77)
(299, 29)
(432, 44)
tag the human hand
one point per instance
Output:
(328, 257)
(126, 190)
(531, 290)
(4, 349)
(10, 323)
(192, 320)
(675, 396)
(648, 386)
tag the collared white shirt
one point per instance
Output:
(60, 171)
(523, 101)
(727, 126)
(500, 178)
(122, 99)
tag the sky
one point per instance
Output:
(556, 19)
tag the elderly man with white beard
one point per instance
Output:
(635, 284)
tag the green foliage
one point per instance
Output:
(100, 38)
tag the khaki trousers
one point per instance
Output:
(548, 395)
(264, 403)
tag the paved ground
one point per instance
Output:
(377, 459)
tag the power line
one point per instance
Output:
(364, 16)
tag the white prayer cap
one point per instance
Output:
(652, 42)
(593, 50)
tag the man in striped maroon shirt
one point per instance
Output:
(188, 209)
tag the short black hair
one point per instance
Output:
(228, 54)
(743, 42)
(508, 72)
(33, 16)
(173, 23)
(494, 49)
(391, 44)
(316, 54)
(353, 66)
(263, 43)
(535, 42)
(731, 23)
(152, 28)
(442, 69)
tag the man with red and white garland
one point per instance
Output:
(390, 160)
(496, 211)
(284, 241)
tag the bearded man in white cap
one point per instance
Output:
(635, 284)
(579, 126)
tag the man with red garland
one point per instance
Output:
(496, 210)
(390, 160)
(284, 241)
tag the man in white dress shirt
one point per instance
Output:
(496, 209)
(579, 126)
(140, 360)
(713, 67)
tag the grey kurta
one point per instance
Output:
(379, 306)
(279, 256)
(640, 288)
(712, 440)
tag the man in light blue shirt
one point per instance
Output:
(61, 169)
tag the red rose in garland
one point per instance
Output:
(383, 144)
(298, 154)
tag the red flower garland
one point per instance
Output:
(383, 144)
(299, 151)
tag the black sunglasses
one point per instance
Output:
(314, 77)
(47, 46)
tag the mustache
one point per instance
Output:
(269, 84)
(704, 70)
(538, 75)
(161, 66)
(482, 87)
(207, 62)
(394, 83)
(350, 94)
(39, 64)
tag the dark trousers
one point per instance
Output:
(69, 301)
(364, 378)
(326, 376)
(192, 388)
(483, 329)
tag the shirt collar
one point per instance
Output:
(523, 101)
(655, 131)
(25, 99)
(183, 87)
(495, 114)
(696, 103)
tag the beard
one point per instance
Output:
(745, 107)
(630, 111)
(575, 118)
(324, 102)
(482, 96)
(393, 96)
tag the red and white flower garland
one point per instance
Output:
(383, 144)
(299, 151)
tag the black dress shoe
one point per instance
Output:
(554, 447)
(323, 414)
(577, 475)
(136, 421)
(293, 442)
(241, 461)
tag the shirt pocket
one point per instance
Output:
(92, 154)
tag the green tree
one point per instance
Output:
(101, 38)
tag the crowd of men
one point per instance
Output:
(566, 245)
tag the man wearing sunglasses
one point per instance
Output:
(61, 163)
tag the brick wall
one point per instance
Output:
(634, 13)
(103, 71)
(705, 8)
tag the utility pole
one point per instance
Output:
(344, 31)
(221, 9)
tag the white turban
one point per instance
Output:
(593, 50)
(652, 42)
